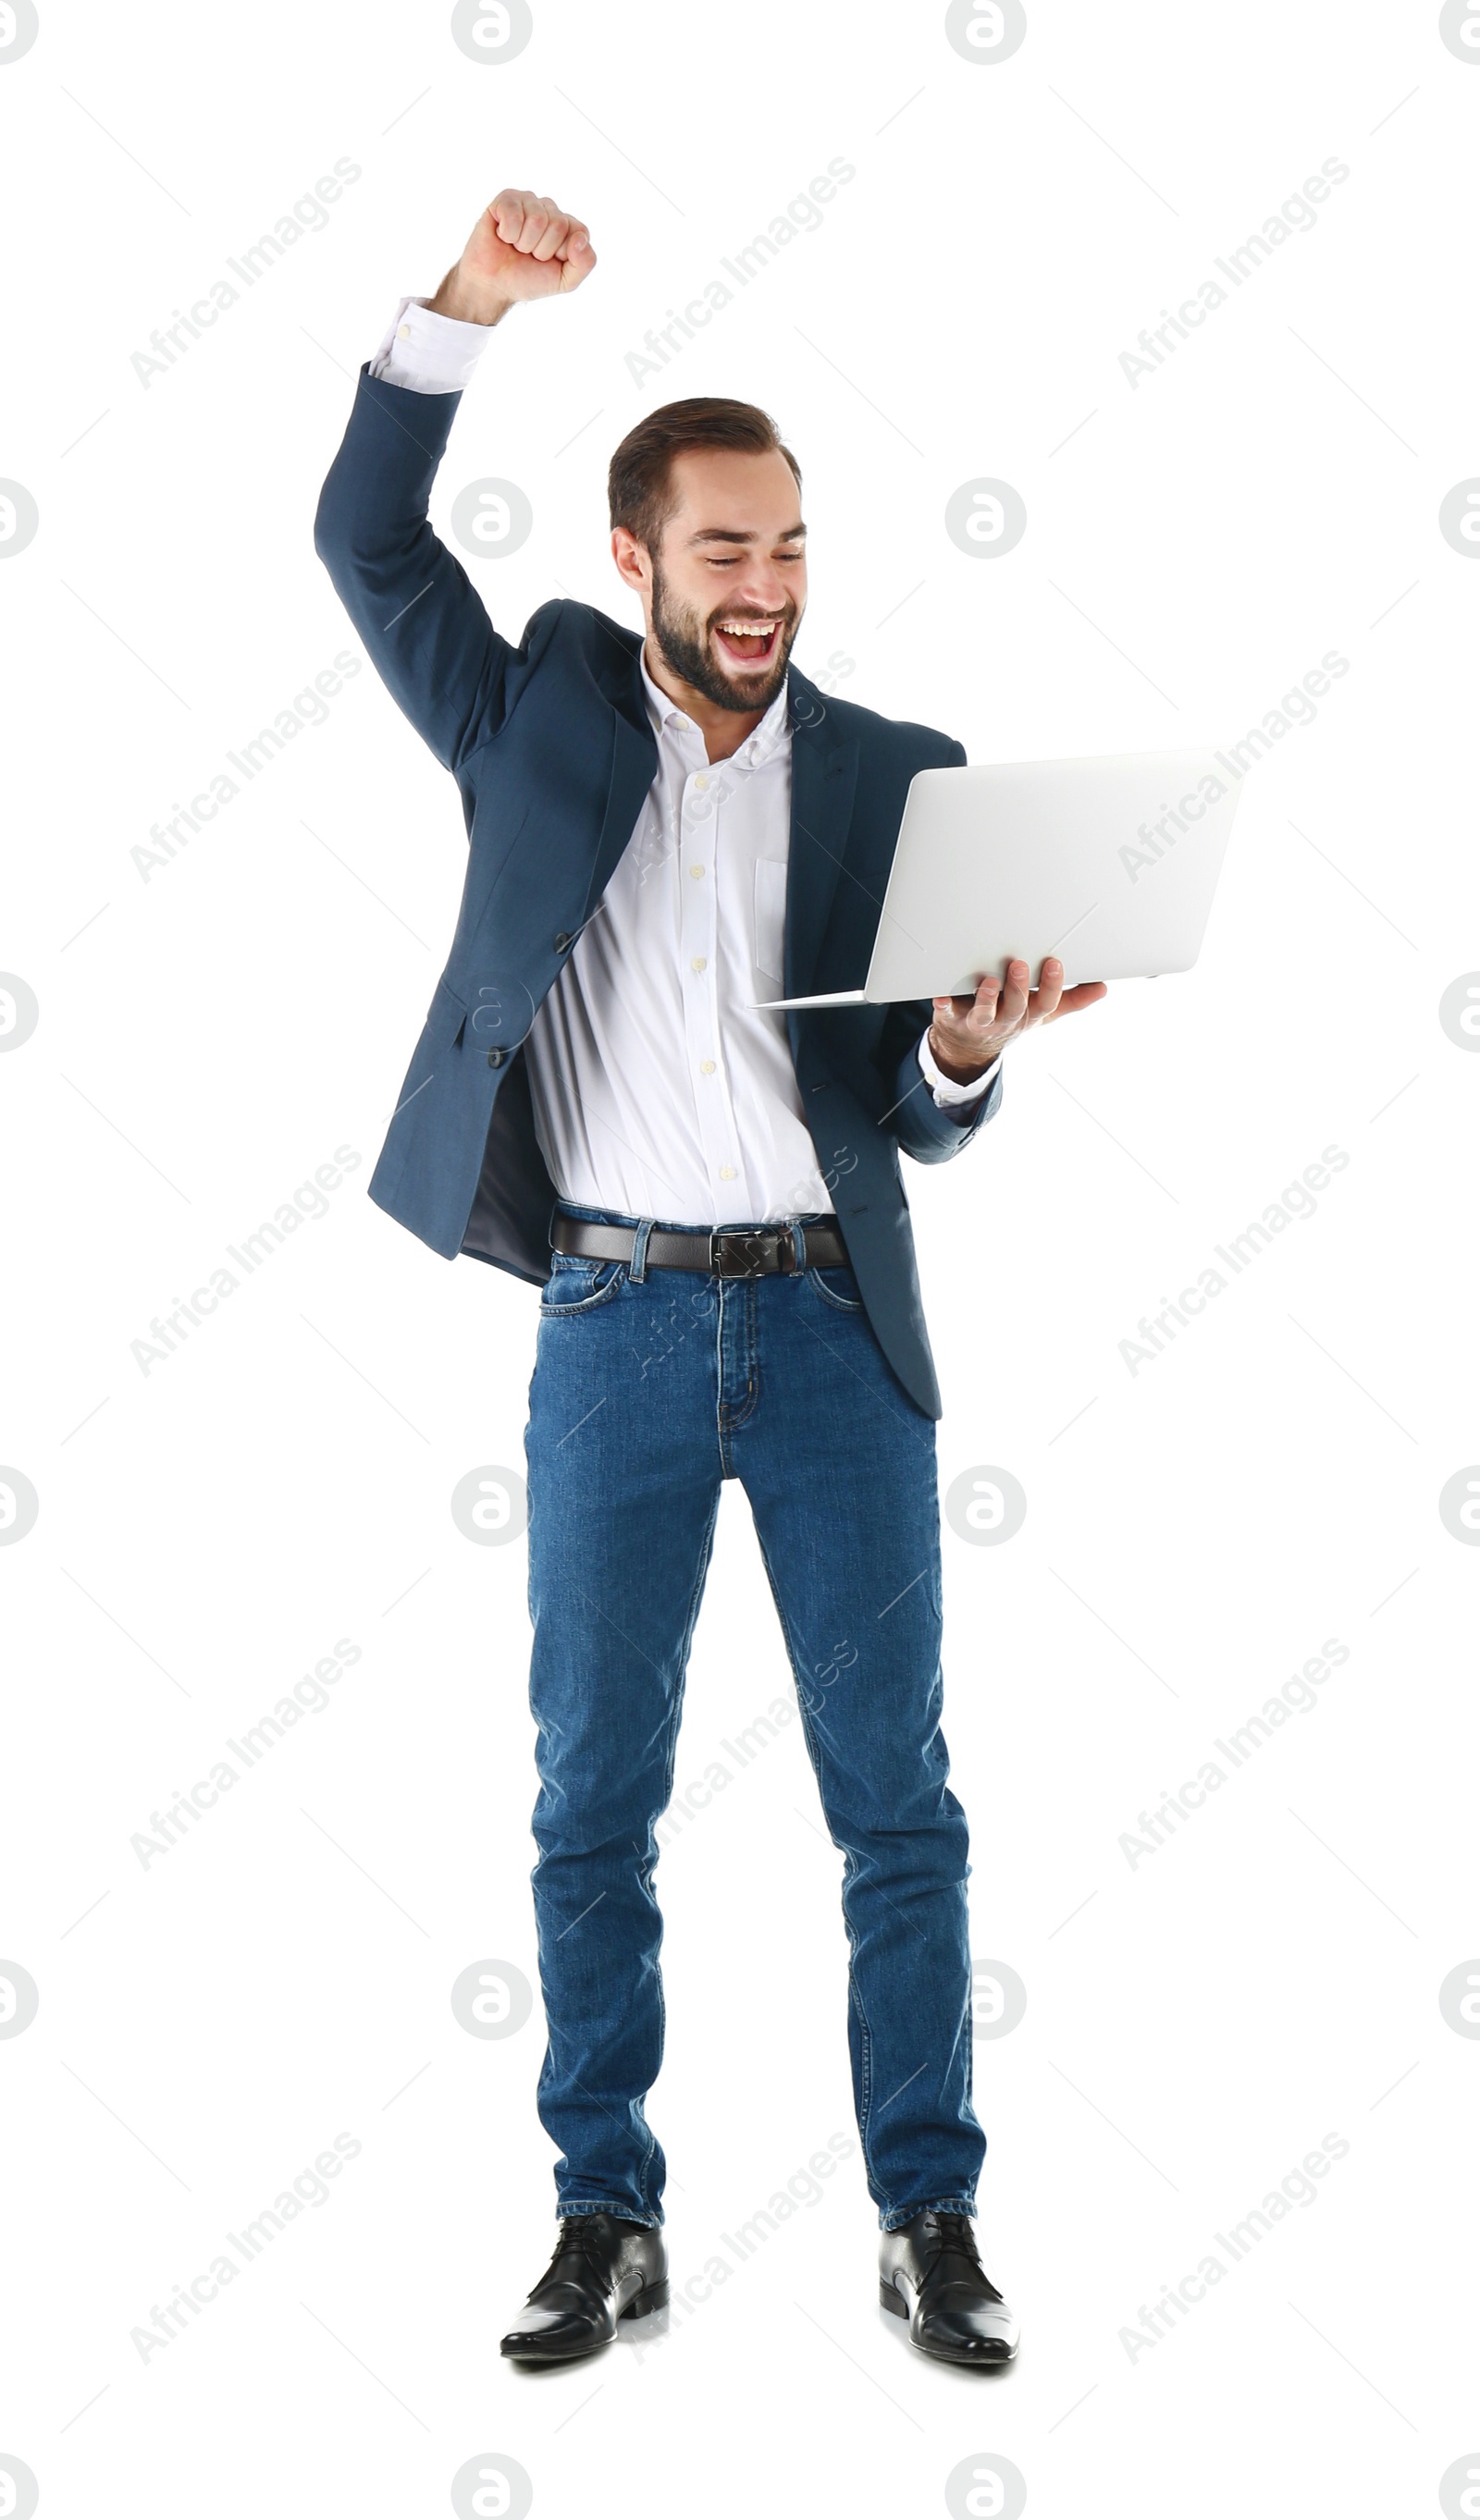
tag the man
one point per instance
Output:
(664, 831)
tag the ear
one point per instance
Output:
(633, 566)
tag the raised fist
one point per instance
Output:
(524, 245)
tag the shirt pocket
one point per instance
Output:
(770, 917)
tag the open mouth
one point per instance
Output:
(748, 643)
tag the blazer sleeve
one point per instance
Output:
(923, 1130)
(422, 623)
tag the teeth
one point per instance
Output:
(748, 629)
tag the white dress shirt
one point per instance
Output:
(658, 1088)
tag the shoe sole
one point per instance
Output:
(893, 2301)
(653, 2296)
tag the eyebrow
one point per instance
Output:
(725, 535)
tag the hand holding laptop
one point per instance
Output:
(1107, 866)
(967, 1033)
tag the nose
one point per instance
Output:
(762, 590)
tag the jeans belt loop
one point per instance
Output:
(637, 1266)
(798, 1246)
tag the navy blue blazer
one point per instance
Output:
(551, 746)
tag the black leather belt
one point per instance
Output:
(727, 1252)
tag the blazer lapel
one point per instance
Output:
(824, 775)
(634, 767)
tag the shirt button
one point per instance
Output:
(695, 870)
(707, 1066)
(699, 962)
(404, 335)
(727, 1172)
(701, 783)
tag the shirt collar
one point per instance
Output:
(667, 717)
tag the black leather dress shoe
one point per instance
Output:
(603, 2269)
(929, 2274)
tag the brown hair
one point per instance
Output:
(639, 474)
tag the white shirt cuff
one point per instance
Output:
(430, 354)
(944, 1088)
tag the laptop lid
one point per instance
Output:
(1110, 863)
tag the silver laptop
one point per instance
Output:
(1111, 863)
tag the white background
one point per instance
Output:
(1195, 1529)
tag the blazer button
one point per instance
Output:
(496, 1057)
(561, 941)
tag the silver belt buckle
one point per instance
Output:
(754, 1245)
(721, 1234)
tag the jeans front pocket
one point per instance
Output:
(837, 1287)
(576, 1285)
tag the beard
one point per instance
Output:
(687, 646)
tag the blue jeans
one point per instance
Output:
(651, 1387)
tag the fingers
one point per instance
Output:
(1001, 1007)
(1015, 996)
(1044, 1004)
(973, 1028)
(535, 221)
(535, 224)
(1051, 998)
(983, 1003)
(552, 234)
(1088, 993)
(969, 1019)
(509, 211)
